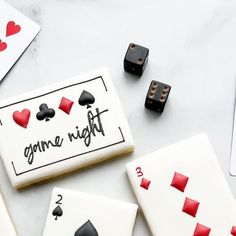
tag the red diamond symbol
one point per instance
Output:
(179, 181)
(201, 230)
(66, 105)
(145, 183)
(190, 207)
(233, 231)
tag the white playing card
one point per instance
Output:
(182, 190)
(16, 33)
(6, 226)
(80, 214)
(233, 149)
(63, 127)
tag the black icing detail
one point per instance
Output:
(86, 98)
(70, 157)
(45, 112)
(122, 140)
(87, 229)
(57, 90)
(57, 212)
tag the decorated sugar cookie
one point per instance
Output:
(182, 190)
(61, 128)
(80, 214)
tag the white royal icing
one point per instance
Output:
(72, 212)
(162, 203)
(37, 145)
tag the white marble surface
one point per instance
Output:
(192, 47)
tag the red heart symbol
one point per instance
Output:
(3, 46)
(22, 118)
(12, 28)
(233, 231)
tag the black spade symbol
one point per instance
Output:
(57, 212)
(86, 98)
(87, 229)
(45, 112)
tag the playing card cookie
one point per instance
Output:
(61, 128)
(6, 226)
(182, 190)
(80, 214)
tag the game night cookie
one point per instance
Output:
(61, 128)
(182, 190)
(80, 214)
(6, 226)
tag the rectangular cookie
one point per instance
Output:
(80, 214)
(6, 226)
(182, 190)
(61, 128)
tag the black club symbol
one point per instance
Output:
(45, 112)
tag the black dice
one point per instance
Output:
(136, 59)
(157, 96)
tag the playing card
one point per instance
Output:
(80, 214)
(233, 150)
(61, 128)
(182, 190)
(6, 226)
(16, 33)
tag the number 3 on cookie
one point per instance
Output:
(139, 172)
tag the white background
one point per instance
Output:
(192, 47)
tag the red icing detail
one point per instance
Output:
(190, 207)
(179, 181)
(22, 118)
(3, 46)
(66, 105)
(201, 230)
(145, 183)
(233, 231)
(12, 28)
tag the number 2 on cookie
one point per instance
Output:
(60, 198)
